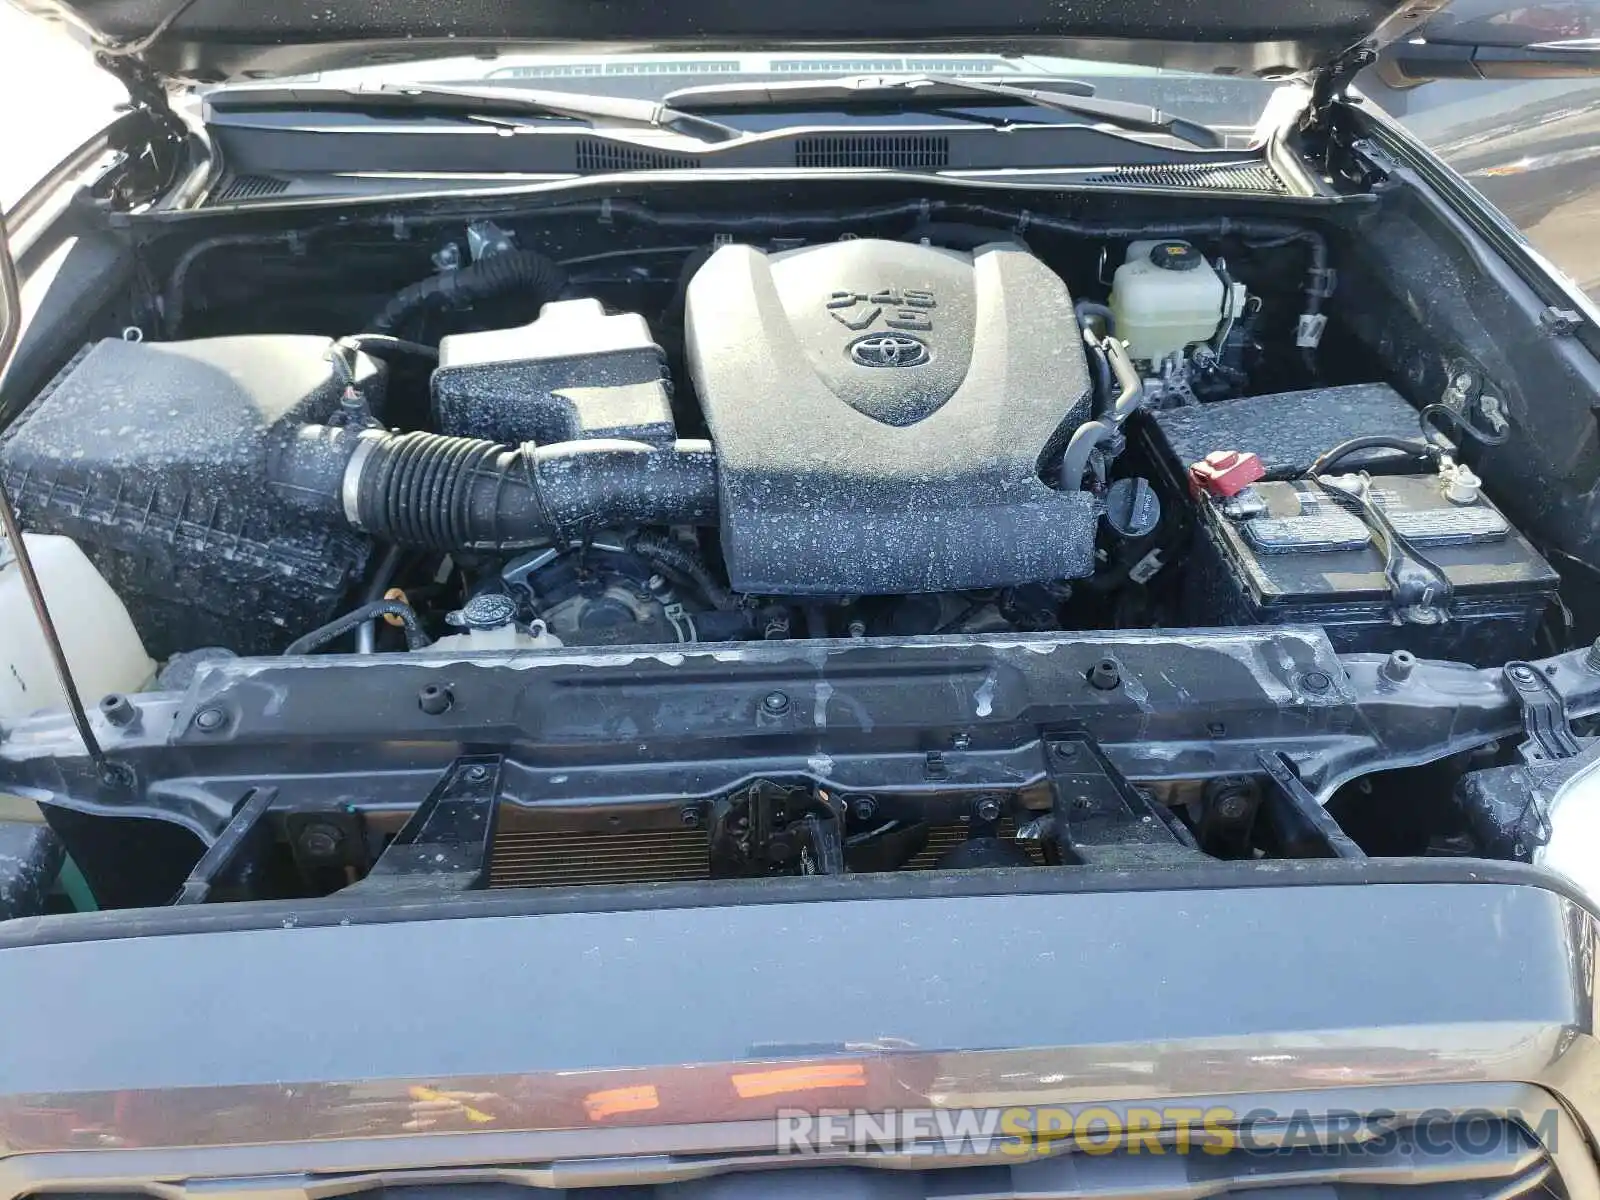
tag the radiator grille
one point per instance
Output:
(1227, 177)
(251, 187)
(594, 154)
(545, 858)
(897, 151)
(944, 838)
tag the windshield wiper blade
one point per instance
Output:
(481, 102)
(867, 89)
(1059, 95)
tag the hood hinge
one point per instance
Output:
(149, 138)
(1331, 81)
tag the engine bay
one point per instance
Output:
(847, 438)
(1167, 449)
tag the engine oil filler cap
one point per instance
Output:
(1176, 256)
(1132, 508)
(1224, 473)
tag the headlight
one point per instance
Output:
(1573, 849)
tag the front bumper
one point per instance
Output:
(261, 1044)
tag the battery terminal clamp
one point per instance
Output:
(1419, 592)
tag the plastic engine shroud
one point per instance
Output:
(880, 411)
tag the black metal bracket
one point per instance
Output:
(1544, 715)
(1301, 827)
(772, 828)
(228, 851)
(1098, 817)
(445, 845)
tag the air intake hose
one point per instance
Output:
(452, 494)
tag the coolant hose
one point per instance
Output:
(1087, 311)
(510, 270)
(452, 494)
(1130, 396)
(416, 639)
(1089, 435)
(1076, 460)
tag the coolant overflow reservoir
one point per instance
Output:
(1166, 297)
(101, 644)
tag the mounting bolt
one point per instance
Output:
(477, 774)
(1523, 674)
(988, 809)
(119, 710)
(1232, 806)
(1316, 681)
(1066, 750)
(856, 628)
(775, 704)
(435, 699)
(1398, 666)
(320, 840)
(862, 808)
(689, 816)
(119, 776)
(1105, 676)
(210, 720)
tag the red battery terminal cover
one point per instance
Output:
(1224, 473)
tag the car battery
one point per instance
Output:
(1290, 552)
(1289, 430)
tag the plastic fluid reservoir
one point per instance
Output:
(101, 644)
(506, 637)
(1165, 297)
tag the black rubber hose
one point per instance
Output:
(1102, 379)
(676, 558)
(416, 639)
(453, 494)
(510, 270)
(377, 587)
(1088, 310)
(1373, 441)
(383, 345)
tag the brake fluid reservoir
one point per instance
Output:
(1166, 297)
(101, 644)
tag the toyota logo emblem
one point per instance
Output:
(888, 350)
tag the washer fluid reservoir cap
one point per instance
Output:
(1176, 256)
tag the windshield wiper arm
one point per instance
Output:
(1060, 95)
(482, 102)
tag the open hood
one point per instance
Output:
(224, 39)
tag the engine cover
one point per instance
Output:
(880, 410)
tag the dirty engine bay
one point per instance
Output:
(497, 441)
